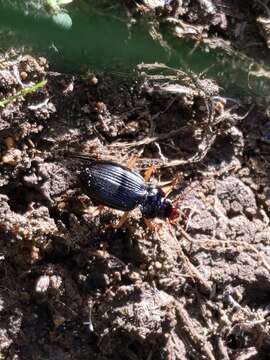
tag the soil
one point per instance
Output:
(73, 287)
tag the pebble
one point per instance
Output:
(12, 157)
(158, 265)
(43, 284)
(24, 75)
(134, 276)
(42, 61)
(9, 142)
(93, 80)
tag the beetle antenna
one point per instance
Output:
(76, 155)
(169, 188)
(176, 201)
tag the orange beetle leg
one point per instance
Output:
(169, 188)
(151, 225)
(97, 211)
(148, 173)
(132, 161)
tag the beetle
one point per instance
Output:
(108, 183)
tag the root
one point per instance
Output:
(192, 336)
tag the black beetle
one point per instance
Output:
(113, 185)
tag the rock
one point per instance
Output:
(12, 157)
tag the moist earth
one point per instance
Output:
(74, 287)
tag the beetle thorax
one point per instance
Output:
(155, 205)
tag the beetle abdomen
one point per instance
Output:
(113, 185)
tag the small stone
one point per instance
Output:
(43, 284)
(167, 266)
(61, 205)
(12, 157)
(93, 80)
(100, 106)
(250, 211)
(158, 265)
(35, 256)
(117, 276)
(5, 340)
(152, 4)
(100, 254)
(24, 75)
(9, 142)
(134, 276)
(42, 61)
(56, 281)
(255, 187)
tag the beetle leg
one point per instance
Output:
(169, 188)
(97, 211)
(171, 222)
(122, 220)
(120, 223)
(132, 161)
(151, 225)
(149, 172)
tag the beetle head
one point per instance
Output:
(167, 210)
(174, 213)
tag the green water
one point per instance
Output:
(103, 42)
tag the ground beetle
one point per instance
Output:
(113, 185)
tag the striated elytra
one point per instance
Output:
(113, 185)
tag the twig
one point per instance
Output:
(199, 156)
(149, 140)
(157, 115)
(163, 158)
(226, 243)
(248, 354)
(204, 285)
(209, 135)
(196, 340)
(222, 349)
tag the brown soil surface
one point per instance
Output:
(71, 287)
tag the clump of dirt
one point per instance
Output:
(71, 286)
